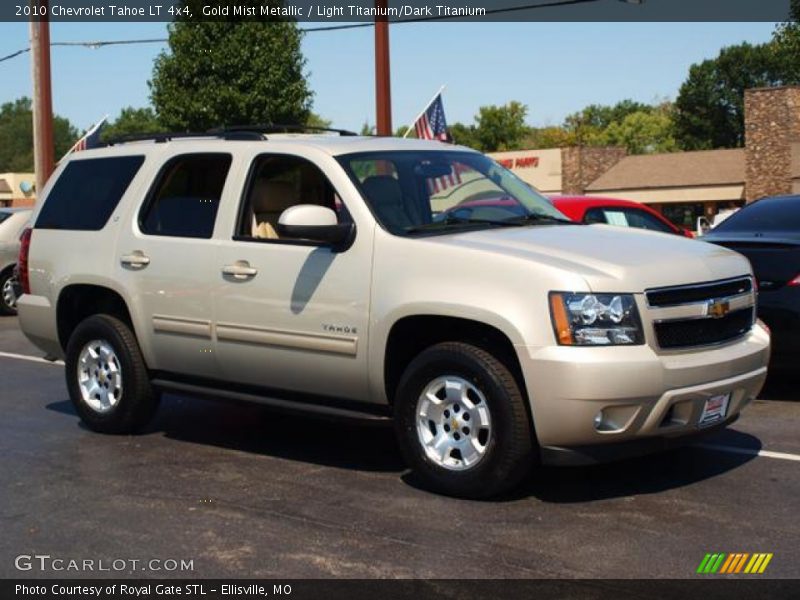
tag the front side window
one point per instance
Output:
(278, 182)
(186, 197)
(413, 192)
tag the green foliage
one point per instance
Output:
(16, 131)
(230, 73)
(132, 121)
(465, 135)
(598, 117)
(501, 127)
(549, 137)
(314, 120)
(786, 43)
(367, 129)
(642, 132)
(710, 105)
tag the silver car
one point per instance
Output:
(12, 222)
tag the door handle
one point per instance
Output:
(241, 269)
(135, 260)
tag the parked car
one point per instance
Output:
(614, 211)
(307, 273)
(12, 222)
(767, 232)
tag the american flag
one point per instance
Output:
(438, 185)
(431, 124)
(90, 139)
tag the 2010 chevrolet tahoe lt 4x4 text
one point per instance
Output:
(325, 274)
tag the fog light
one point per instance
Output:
(598, 420)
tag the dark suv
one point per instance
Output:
(767, 232)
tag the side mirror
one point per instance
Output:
(314, 223)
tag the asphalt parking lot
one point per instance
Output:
(243, 492)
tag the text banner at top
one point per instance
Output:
(358, 11)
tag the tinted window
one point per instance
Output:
(87, 192)
(769, 214)
(4, 216)
(280, 182)
(186, 197)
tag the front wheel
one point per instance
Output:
(461, 422)
(107, 377)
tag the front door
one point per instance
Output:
(291, 316)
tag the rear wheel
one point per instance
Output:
(8, 293)
(461, 422)
(107, 377)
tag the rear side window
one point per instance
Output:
(186, 197)
(87, 192)
(770, 214)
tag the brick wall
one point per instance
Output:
(581, 165)
(772, 125)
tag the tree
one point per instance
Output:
(549, 137)
(599, 117)
(642, 132)
(314, 120)
(132, 121)
(16, 131)
(230, 73)
(465, 135)
(786, 43)
(710, 105)
(501, 127)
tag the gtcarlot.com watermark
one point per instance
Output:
(46, 562)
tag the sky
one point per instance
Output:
(553, 68)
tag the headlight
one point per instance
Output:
(595, 319)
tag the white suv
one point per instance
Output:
(325, 274)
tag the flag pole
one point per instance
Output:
(441, 89)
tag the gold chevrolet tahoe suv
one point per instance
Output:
(379, 278)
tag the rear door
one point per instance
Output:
(166, 260)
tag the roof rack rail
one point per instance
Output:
(159, 137)
(264, 128)
(232, 132)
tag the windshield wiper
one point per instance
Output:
(540, 218)
(451, 220)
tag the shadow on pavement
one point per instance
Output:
(257, 430)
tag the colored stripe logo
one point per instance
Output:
(733, 563)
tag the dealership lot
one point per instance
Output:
(240, 491)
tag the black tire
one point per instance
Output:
(6, 309)
(509, 453)
(137, 402)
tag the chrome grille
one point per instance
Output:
(702, 314)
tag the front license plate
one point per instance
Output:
(715, 410)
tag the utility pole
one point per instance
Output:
(43, 151)
(383, 86)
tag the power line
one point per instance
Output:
(101, 43)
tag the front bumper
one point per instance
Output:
(643, 394)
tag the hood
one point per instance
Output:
(608, 258)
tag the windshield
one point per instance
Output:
(412, 192)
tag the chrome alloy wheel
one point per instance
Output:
(99, 376)
(454, 425)
(9, 293)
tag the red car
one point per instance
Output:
(612, 211)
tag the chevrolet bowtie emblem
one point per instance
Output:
(717, 309)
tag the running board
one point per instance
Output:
(280, 404)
